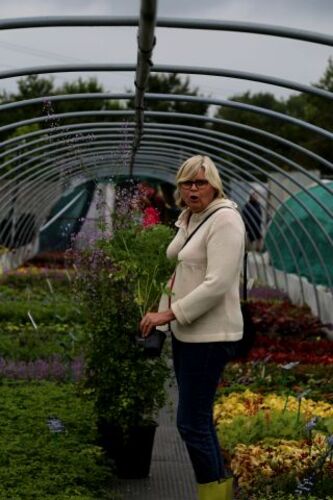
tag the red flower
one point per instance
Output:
(151, 216)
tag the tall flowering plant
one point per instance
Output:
(118, 279)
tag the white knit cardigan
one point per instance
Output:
(205, 296)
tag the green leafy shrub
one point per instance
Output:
(117, 280)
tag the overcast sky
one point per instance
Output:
(294, 60)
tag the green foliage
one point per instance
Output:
(21, 283)
(142, 253)
(280, 495)
(57, 317)
(37, 463)
(326, 81)
(270, 377)
(173, 84)
(20, 294)
(284, 487)
(26, 129)
(25, 343)
(251, 429)
(127, 388)
(306, 107)
(34, 86)
(49, 311)
(80, 86)
(254, 119)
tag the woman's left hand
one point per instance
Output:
(151, 319)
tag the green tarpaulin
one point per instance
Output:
(299, 254)
(66, 218)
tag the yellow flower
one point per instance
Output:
(250, 462)
(249, 403)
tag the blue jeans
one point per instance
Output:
(198, 368)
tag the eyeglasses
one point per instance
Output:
(199, 184)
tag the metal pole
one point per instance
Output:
(146, 42)
(188, 70)
(167, 22)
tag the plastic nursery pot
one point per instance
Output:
(130, 451)
(153, 344)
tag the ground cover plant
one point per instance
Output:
(47, 433)
(282, 378)
(46, 442)
(39, 318)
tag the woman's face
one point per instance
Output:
(197, 194)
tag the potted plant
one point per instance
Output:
(118, 280)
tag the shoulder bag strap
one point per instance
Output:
(245, 276)
(201, 223)
(185, 243)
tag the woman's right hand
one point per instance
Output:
(152, 319)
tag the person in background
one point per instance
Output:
(171, 210)
(252, 216)
(204, 312)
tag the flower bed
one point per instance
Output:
(265, 377)
(274, 412)
(53, 368)
(285, 350)
(249, 403)
(279, 458)
(281, 318)
(263, 430)
(272, 439)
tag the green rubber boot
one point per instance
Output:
(229, 488)
(216, 490)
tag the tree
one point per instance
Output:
(33, 86)
(80, 86)
(318, 111)
(173, 84)
(306, 107)
(326, 81)
(253, 119)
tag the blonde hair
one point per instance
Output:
(189, 169)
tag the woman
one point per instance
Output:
(205, 313)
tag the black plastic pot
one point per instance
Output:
(153, 344)
(131, 452)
